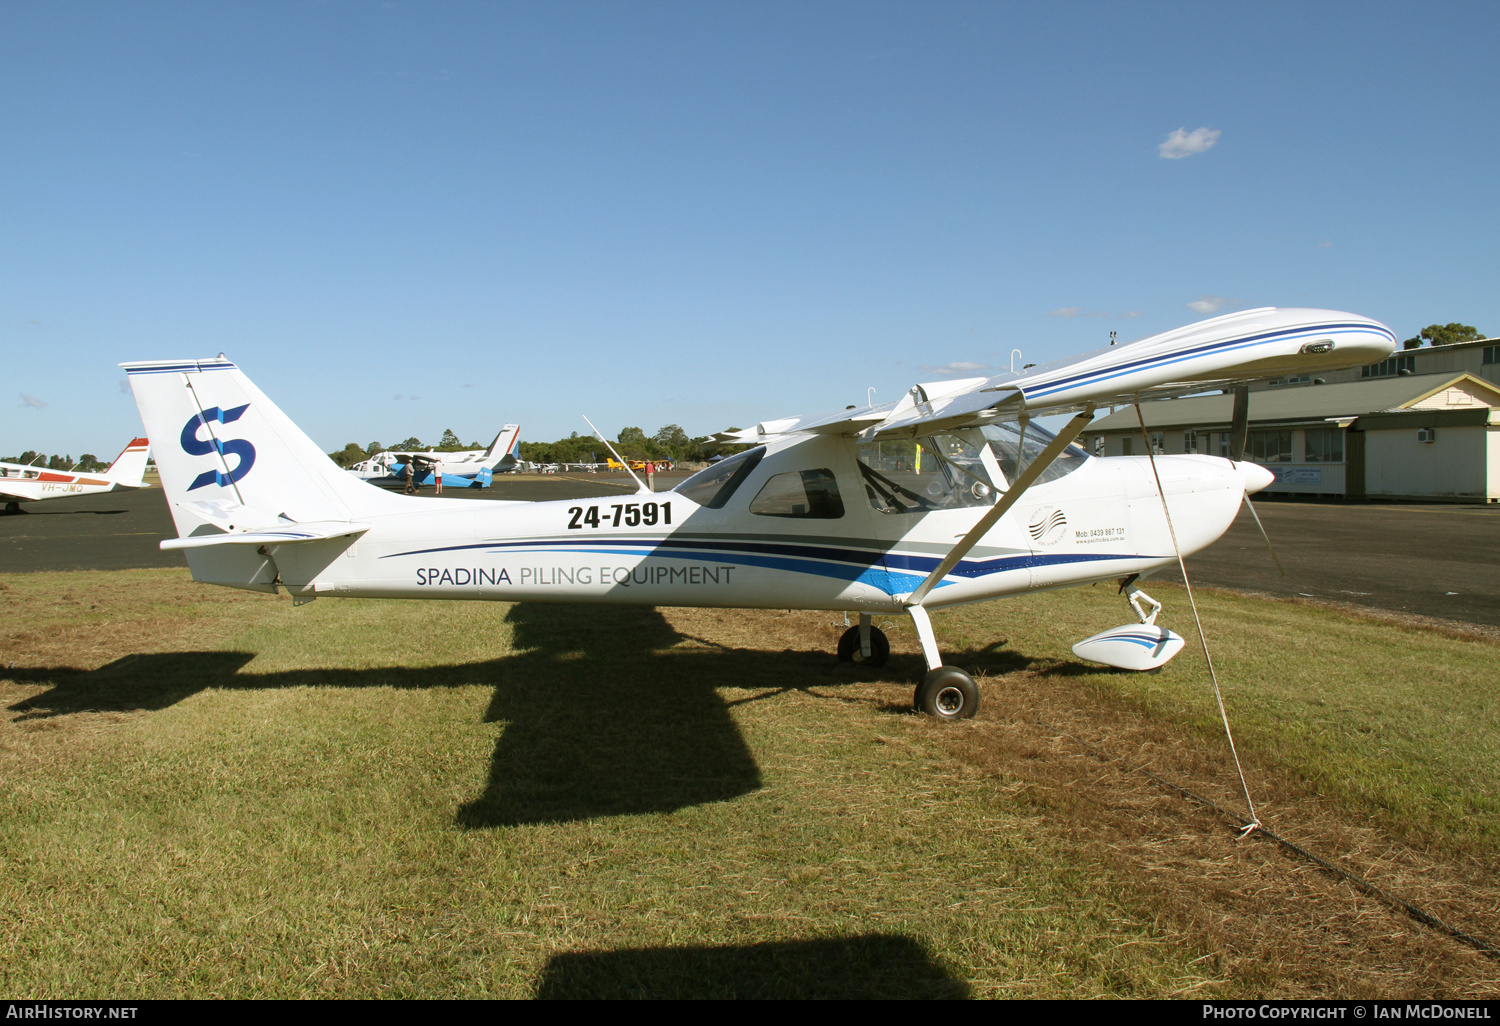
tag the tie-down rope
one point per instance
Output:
(1254, 823)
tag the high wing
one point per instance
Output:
(1215, 353)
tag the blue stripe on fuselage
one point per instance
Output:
(891, 572)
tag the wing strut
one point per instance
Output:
(1012, 495)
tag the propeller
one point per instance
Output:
(1239, 432)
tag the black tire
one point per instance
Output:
(880, 647)
(948, 693)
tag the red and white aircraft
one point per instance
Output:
(21, 483)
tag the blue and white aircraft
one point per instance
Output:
(474, 468)
(951, 495)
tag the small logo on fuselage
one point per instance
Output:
(1047, 526)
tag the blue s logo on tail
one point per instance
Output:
(195, 446)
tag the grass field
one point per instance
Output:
(211, 793)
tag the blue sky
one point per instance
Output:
(705, 213)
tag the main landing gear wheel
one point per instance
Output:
(880, 647)
(948, 693)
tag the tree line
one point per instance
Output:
(88, 463)
(632, 443)
(669, 443)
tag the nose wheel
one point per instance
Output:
(948, 693)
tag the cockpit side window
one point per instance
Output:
(812, 494)
(713, 486)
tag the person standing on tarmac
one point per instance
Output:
(437, 474)
(411, 476)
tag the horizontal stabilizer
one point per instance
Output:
(286, 534)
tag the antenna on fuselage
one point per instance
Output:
(643, 487)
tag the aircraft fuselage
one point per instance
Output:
(1103, 520)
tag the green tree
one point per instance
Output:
(672, 442)
(633, 444)
(373, 448)
(88, 463)
(450, 440)
(1443, 335)
(412, 444)
(348, 455)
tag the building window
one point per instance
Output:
(1325, 445)
(1270, 447)
(1390, 368)
(1127, 446)
(1492, 354)
(1299, 379)
(1190, 441)
(1159, 442)
(1098, 445)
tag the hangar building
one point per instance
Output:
(1424, 424)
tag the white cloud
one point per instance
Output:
(30, 400)
(1207, 304)
(958, 370)
(1078, 311)
(1183, 143)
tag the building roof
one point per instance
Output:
(1301, 403)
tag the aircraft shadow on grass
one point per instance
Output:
(871, 966)
(605, 712)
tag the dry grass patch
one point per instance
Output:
(439, 799)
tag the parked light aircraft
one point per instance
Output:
(471, 469)
(20, 483)
(823, 512)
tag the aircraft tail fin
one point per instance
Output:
(218, 440)
(505, 450)
(129, 468)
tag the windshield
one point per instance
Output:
(1007, 441)
(715, 484)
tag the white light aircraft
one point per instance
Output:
(472, 469)
(949, 496)
(21, 483)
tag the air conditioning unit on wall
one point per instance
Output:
(1427, 434)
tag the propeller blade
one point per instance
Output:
(1269, 547)
(1239, 424)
